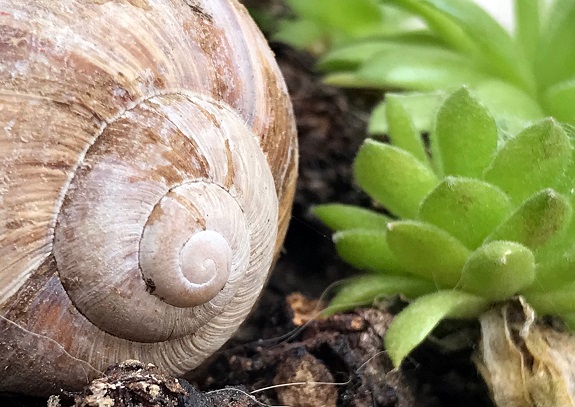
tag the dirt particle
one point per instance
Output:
(302, 367)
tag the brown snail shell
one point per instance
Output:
(147, 168)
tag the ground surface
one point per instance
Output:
(345, 349)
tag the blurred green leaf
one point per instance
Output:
(353, 17)
(498, 270)
(402, 131)
(365, 289)
(497, 48)
(559, 100)
(472, 31)
(343, 217)
(351, 56)
(421, 107)
(349, 79)
(446, 27)
(536, 221)
(393, 177)
(427, 251)
(420, 68)
(366, 250)
(266, 20)
(468, 209)
(556, 302)
(508, 101)
(299, 34)
(527, 26)
(554, 273)
(555, 57)
(416, 322)
(465, 136)
(532, 160)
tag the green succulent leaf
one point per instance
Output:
(556, 302)
(393, 177)
(427, 251)
(343, 217)
(421, 107)
(367, 250)
(365, 289)
(534, 223)
(563, 244)
(559, 100)
(402, 131)
(416, 322)
(532, 160)
(498, 270)
(465, 136)
(567, 181)
(420, 68)
(468, 209)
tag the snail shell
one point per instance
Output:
(147, 169)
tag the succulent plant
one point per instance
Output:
(526, 72)
(459, 43)
(475, 216)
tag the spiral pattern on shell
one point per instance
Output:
(148, 161)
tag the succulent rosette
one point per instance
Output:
(474, 220)
(475, 216)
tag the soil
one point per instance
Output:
(283, 342)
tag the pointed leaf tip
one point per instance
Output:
(366, 289)
(467, 208)
(411, 326)
(427, 251)
(532, 160)
(366, 250)
(393, 177)
(540, 218)
(344, 217)
(402, 130)
(465, 137)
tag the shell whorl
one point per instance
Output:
(165, 196)
(147, 167)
